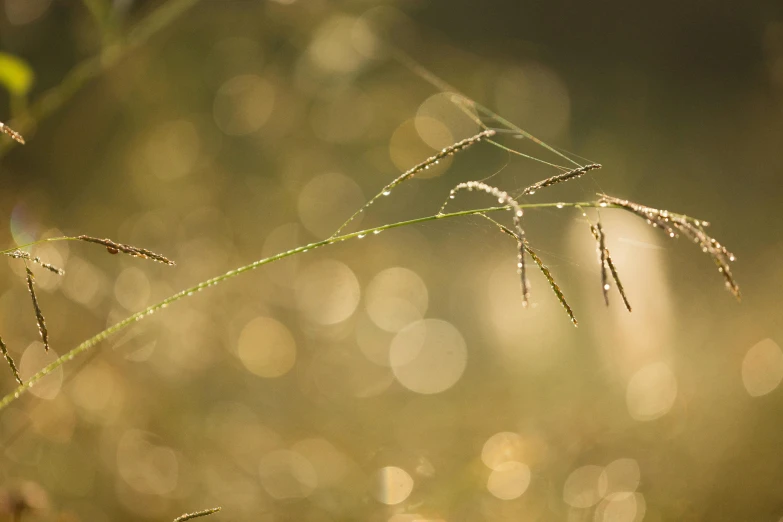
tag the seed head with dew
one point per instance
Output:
(10, 361)
(197, 514)
(21, 254)
(115, 248)
(605, 259)
(559, 178)
(8, 131)
(38, 313)
(410, 173)
(516, 212)
(674, 225)
(542, 267)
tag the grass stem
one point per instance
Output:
(188, 292)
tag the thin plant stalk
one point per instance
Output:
(465, 103)
(424, 165)
(188, 292)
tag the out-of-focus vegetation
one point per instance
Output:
(395, 377)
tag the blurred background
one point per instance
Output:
(395, 378)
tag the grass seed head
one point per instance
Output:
(38, 314)
(10, 362)
(5, 129)
(115, 248)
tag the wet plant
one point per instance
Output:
(17, 253)
(197, 514)
(493, 127)
(8, 131)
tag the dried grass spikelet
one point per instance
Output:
(605, 260)
(114, 248)
(38, 314)
(560, 178)
(5, 129)
(424, 165)
(517, 213)
(603, 255)
(10, 362)
(21, 254)
(197, 514)
(544, 270)
(693, 229)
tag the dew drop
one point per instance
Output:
(560, 205)
(602, 204)
(360, 236)
(607, 286)
(376, 232)
(386, 192)
(532, 192)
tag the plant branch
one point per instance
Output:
(138, 316)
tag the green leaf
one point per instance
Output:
(15, 74)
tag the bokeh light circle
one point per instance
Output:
(33, 359)
(500, 448)
(428, 356)
(509, 480)
(327, 292)
(440, 121)
(651, 392)
(392, 485)
(762, 368)
(395, 298)
(243, 104)
(622, 476)
(585, 487)
(621, 507)
(326, 201)
(266, 347)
